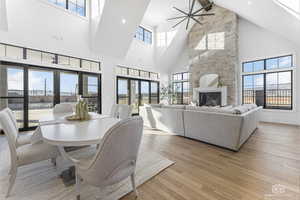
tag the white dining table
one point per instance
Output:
(76, 133)
(58, 131)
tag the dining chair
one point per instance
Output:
(114, 111)
(25, 154)
(21, 139)
(116, 158)
(124, 111)
(63, 108)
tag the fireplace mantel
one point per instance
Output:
(222, 90)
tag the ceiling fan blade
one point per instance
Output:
(179, 22)
(180, 11)
(205, 14)
(176, 17)
(187, 23)
(196, 20)
(202, 8)
(189, 4)
(192, 8)
(197, 11)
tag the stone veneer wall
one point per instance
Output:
(213, 48)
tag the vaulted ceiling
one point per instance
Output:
(264, 13)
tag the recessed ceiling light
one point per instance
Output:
(249, 3)
(123, 21)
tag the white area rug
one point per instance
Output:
(41, 181)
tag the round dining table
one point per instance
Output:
(58, 131)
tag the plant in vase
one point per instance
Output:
(167, 94)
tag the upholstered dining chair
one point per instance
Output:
(25, 154)
(114, 111)
(63, 108)
(124, 111)
(21, 139)
(115, 159)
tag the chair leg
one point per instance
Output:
(134, 185)
(53, 160)
(10, 170)
(77, 186)
(12, 180)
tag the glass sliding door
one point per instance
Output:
(137, 92)
(12, 91)
(154, 93)
(41, 94)
(186, 90)
(122, 91)
(134, 96)
(69, 84)
(90, 91)
(145, 92)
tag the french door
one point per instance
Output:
(137, 92)
(31, 92)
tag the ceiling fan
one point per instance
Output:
(191, 14)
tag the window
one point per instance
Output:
(181, 88)
(2, 50)
(125, 71)
(267, 86)
(133, 72)
(90, 94)
(60, 3)
(76, 6)
(137, 92)
(143, 35)
(90, 65)
(14, 52)
(69, 61)
(144, 74)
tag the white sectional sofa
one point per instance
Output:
(221, 127)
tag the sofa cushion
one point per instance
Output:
(174, 106)
(240, 109)
(250, 106)
(156, 105)
(191, 107)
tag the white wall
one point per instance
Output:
(258, 43)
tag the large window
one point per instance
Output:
(43, 58)
(269, 83)
(143, 35)
(31, 92)
(181, 88)
(76, 6)
(137, 92)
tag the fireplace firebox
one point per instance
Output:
(210, 99)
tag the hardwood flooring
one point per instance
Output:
(266, 168)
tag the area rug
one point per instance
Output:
(41, 181)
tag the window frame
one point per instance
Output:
(265, 72)
(67, 7)
(56, 82)
(129, 79)
(144, 30)
(180, 81)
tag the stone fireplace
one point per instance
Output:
(213, 49)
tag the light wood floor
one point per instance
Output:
(270, 157)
